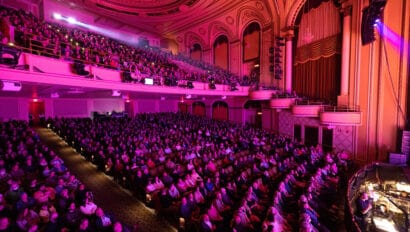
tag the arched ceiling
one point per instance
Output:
(161, 17)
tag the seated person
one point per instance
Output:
(363, 206)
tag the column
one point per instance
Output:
(289, 63)
(347, 17)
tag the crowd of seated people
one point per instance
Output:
(86, 47)
(37, 191)
(215, 176)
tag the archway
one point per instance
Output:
(220, 111)
(198, 109)
(196, 52)
(221, 52)
(317, 61)
(183, 107)
(253, 113)
(251, 45)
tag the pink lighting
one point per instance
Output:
(57, 16)
(35, 100)
(71, 20)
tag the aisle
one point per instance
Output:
(107, 194)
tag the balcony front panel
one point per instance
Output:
(306, 110)
(261, 94)
(281, 103)
(341, 118)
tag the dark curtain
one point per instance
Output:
(183, 107)
(318, 79)
(220, 111)
(199, 109)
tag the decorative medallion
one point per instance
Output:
(202, 31)
(259, 5)
(229, 20)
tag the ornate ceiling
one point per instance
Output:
(163, 17)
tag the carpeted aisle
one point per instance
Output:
(107, 194)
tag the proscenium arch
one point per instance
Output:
(293, 13)
(220, 111)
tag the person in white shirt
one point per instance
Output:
(88, 208)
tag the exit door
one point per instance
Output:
(36, 112)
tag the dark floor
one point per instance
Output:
(107, 194)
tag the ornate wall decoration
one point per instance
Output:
(247, 14)
(229, 20)
(259, 5)
(217, 28)
(202, 31)
(180, 39)
(192, 38)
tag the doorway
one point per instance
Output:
(36, 113)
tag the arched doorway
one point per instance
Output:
(196, 52)
(220, 111)
(183, 107)
(253, 113)
(221, 52)
(198, 109)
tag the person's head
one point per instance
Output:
(99, 212)
(4, 222)
(117, 227)
(364, 196)
(84, 223)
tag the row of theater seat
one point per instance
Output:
(184, 165)
(37, 191)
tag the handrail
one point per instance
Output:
(341, 108)
(309, 102)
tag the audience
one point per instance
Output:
(36, 199)
(236, 177)
(87, 48)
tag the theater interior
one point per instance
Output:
(204, 115)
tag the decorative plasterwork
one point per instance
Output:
(293, 13)
(247, 14)
(192, 38)
(218, 28)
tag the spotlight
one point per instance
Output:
(71, 20)
(57, 16)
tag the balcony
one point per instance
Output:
(261, 94)
(50, 71)
(341, 116)
(306, 108)
(282, 102)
